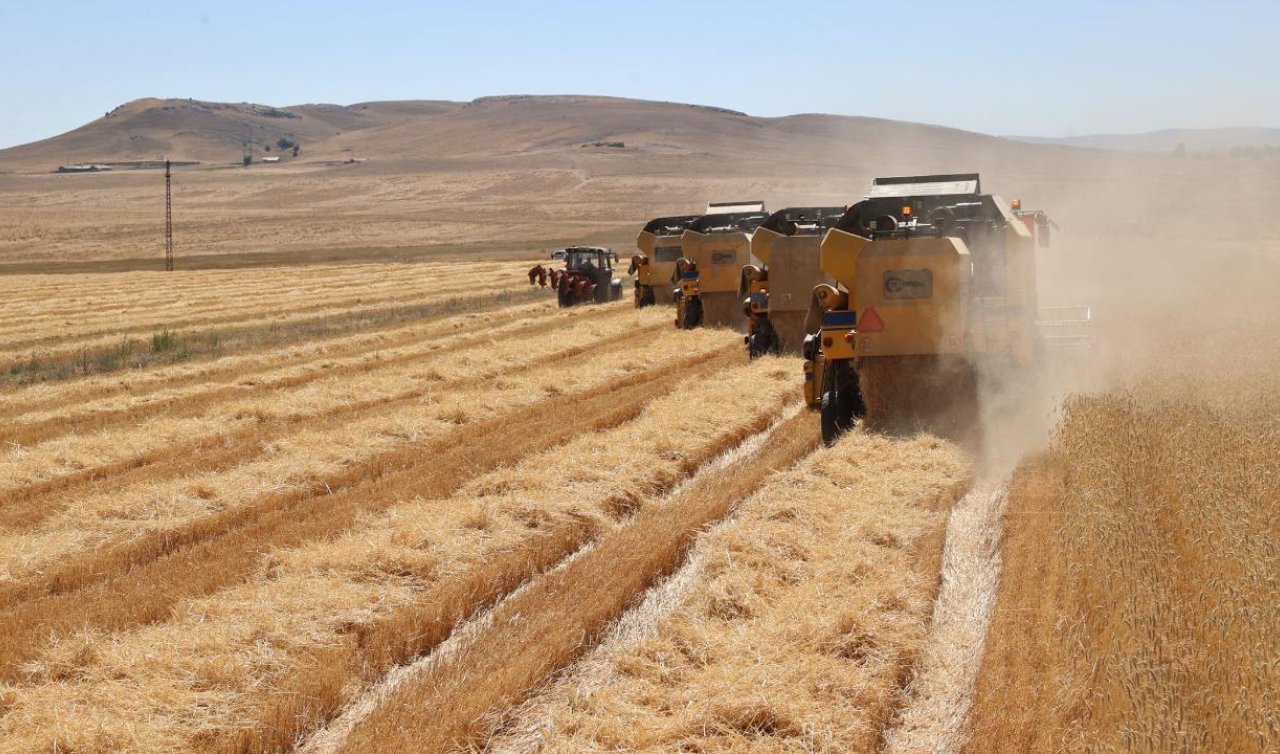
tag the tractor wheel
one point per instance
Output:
(644, 296)
(763, 339)
(565, 298)
(841, 400)
(692, 313)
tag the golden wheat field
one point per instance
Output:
(417, 507)
(233, 504)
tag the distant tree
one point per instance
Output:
(296, 149)
(285, 143)
(248, 158)
(267, 148)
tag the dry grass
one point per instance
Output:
(382, 386)
(802, 624)
(88, 405)
(150, 495)
(940, 695)
(75, 328)
(150, 512)
(1138, 608)
(455, 703)
(114, 589)
(252, 666)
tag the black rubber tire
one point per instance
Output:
(763, 339)
(644, 296)
(565, 298)
(692, 314)
(841, 400)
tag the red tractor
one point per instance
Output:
(587, 276)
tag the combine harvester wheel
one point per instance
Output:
(764, 340)
(692, 314)
(842, 402)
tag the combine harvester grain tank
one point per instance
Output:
(716, 247)
(935, 284)
(777, 291)
(655, 265)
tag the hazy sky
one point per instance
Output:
(1026, 68)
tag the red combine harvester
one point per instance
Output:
(587, 276)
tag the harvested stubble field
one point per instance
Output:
(414, 507)
(231, 547)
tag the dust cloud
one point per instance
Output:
(1179, 262)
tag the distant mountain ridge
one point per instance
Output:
(222, 133)
(1167, 140)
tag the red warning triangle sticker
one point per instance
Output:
(870, 321)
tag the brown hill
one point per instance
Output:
(524, 172)
(211, 132)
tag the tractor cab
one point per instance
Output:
(587, 276)
(589, 259)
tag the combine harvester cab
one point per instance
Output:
(716, 248)
(776, 293)
(655, 265)
(934, 280)
(587, 277)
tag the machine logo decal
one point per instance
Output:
(723, 257)
(908, 284)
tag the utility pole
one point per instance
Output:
(168, 219)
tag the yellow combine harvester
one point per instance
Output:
(778, 291)
(654, 267)
(934, 279)
(716, 247)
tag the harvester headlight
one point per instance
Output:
(1017, 204)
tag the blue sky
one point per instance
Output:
(1030, 68)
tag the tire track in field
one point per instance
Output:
(317, 688)
(141, 581)
(451, 699)
(935, 711)
(24, 507)
(196, 403)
